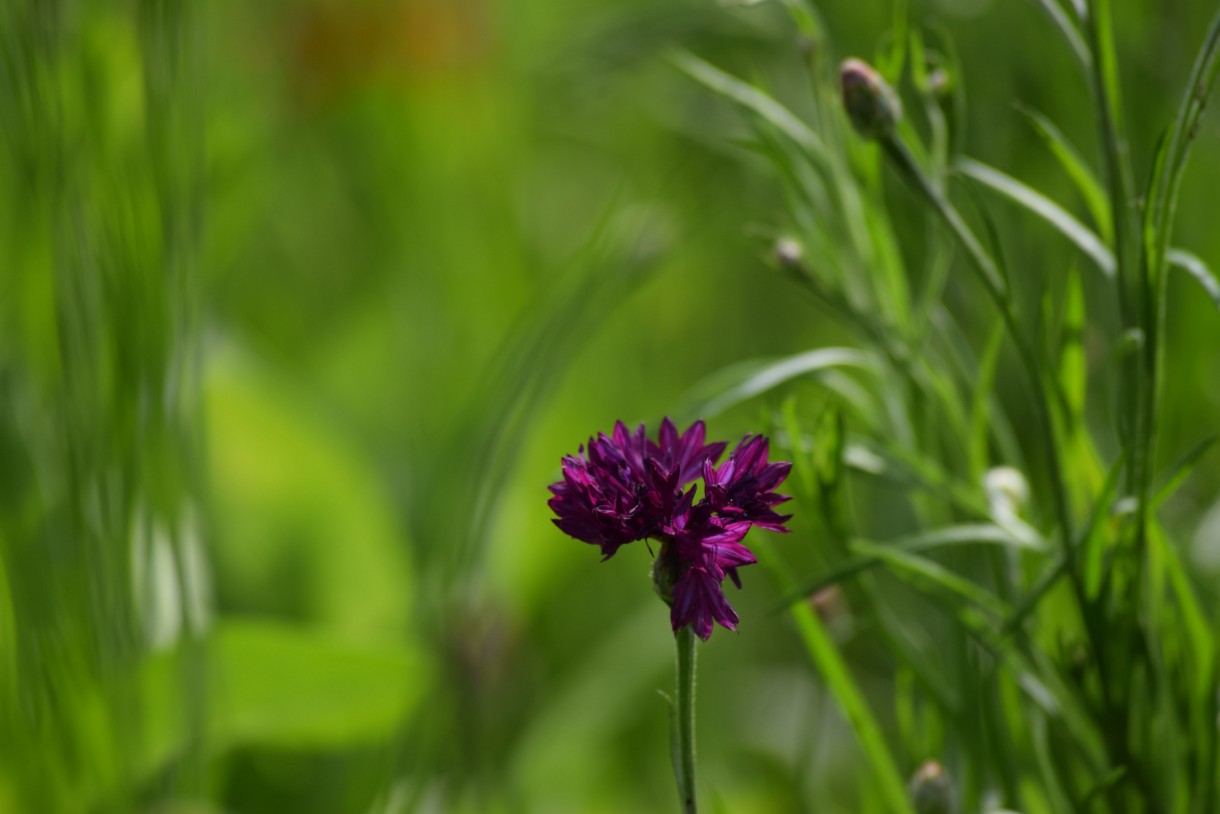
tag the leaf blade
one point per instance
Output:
(1046, 209)
(1198, 270)
(752, 99)
(734, 385)
(1074, 165)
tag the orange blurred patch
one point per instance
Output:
(335, 48)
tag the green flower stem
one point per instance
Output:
(997, 287)
(989, 274)
(1096, 627)
(682, 720)
(981, 261)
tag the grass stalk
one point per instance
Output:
(831, 665)
(993, 281)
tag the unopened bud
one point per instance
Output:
(871, 104)
(939, 84)
(665, 572)
(788, 253)
(1007, 490)
(931, 791)
(828, 603)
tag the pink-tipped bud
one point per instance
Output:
(871, 104)
(931, 790)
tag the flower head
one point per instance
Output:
(625, 487)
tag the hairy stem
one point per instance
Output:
(682, 720)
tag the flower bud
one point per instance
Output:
(789, 253)
(1007, 491)
(665, 572)
(931, 791)
(829, 604)
(871, 104)
(939, 84)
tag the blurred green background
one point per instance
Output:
(302, 302)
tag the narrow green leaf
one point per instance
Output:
(1050, 768)
(932, 574)
(991, 233)
(1155, 711)
(1039, 681)
(919, 64)
(744, 381)
(963, 599)
(798, 448)
(984, 534)
(1102, 30)
(912, 468)
(999, 426)
(1206, 710)
(890, 62)
(1162, 191)
(1155, 239)
(1088, 541)
(829, 440)
(808, 195)
(1196, 268)
(1092, 540)
(941, 393)
(1086, 182)
(1199, 630)
(1042, 206)
(805, 15)
(1028, 603)
(753, 100)
(1182, 668)
(895, 631)
(833, 669)
(980, 401)
(1112, 778)
(1067, 29)
(1180, 471)
(1073, 373)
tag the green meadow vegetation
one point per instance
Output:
(302, 302)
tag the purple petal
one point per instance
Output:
(668, 435)
(699, 602)
(733, 555)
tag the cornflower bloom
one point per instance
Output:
(626, 487)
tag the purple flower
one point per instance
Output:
(625, 487)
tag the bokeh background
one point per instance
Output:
(302, 302)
